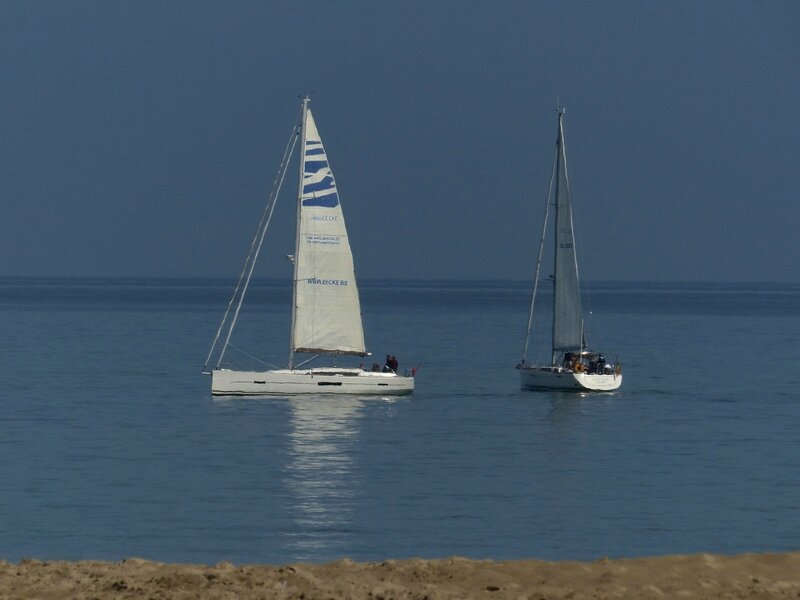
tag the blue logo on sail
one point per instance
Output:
(319, 188)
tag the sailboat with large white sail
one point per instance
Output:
(326, 312)
(572, 365)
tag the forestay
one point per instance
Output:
(327, 314)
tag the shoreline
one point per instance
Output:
(697, 576)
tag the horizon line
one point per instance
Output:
(390, 279)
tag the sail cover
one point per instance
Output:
(567, 319)
(327, 309)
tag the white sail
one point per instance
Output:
(567, 318)
(327, 313)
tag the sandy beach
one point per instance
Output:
(695, 576)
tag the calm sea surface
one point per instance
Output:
(111, 445)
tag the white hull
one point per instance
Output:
(552, 378)
(286, 382)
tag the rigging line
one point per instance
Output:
(587, 286)
(271, 209)
(247, 260)
(539, 259)
(249, 255)
(306, 361)
(580, 262)
(255, 358)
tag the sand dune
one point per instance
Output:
(697, 576)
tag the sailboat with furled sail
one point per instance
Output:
(326, 311)
(572, 365)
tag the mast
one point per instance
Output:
(559, 159)
(305, 101)
(559, 150)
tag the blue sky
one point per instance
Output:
(141, 138)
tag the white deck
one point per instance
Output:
(286, 382)
(552, 378)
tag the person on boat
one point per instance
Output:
(387, 367)
(394, 364)
(376, 367)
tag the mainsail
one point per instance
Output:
(327, 313)
(567, 317)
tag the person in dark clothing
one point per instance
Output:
(391, 364)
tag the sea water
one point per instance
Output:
(112, 446)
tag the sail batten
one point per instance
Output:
(327, 314)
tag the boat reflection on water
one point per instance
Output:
(567, 407)
(322, 477)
